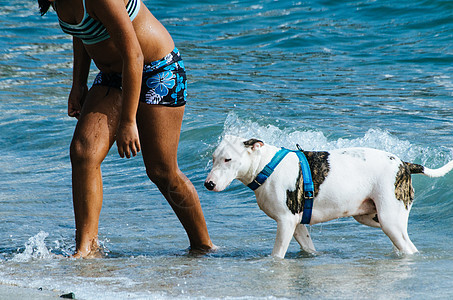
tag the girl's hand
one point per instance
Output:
(127, 139)
(76, 99)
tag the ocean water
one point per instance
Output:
(324, 74)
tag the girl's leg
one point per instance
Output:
(159, 128)
(93, 137)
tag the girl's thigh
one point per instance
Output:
(98, 122)
(159, 129)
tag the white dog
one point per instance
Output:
(370, 185)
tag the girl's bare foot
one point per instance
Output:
(92, 251)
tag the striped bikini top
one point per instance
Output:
(91, 31)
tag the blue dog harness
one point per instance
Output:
(308, 195)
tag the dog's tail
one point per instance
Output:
(419, 169)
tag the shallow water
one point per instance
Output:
(324, 74)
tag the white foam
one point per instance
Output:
(317, 140)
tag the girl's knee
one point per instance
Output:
(163, 177)
(82, 152)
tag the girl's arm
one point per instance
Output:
(81, 69)
(113, 15)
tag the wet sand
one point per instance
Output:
(11, 292)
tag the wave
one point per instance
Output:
(318, 141)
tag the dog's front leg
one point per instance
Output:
(302, 236)
(285, 231)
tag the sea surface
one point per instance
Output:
(324, 74)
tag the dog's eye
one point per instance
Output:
(227, 159)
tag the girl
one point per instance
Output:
(137, 100)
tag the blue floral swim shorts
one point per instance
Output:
(164, 81)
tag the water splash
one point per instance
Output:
(35, 249)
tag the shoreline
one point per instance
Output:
(14, 292)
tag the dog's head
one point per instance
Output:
(232, 159)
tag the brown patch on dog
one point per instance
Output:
(403, 184)
(251, 142)
(319, 167)
(294, 199)
(414, 168)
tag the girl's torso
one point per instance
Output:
(78, 18)
(92, 31)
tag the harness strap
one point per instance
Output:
(268, 169)
(308, 195)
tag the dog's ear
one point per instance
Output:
(254, 144)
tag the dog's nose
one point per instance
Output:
(209, 185)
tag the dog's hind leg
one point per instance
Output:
(302, 236)
(393, 218)
(285, 231)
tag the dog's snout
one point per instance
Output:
(209, 185)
